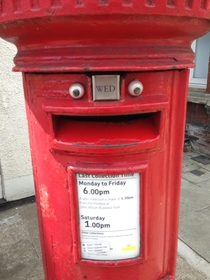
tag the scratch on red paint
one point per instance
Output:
(47, 211)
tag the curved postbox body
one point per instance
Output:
(105, 86)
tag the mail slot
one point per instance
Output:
(124, 131)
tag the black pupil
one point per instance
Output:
(76, 92)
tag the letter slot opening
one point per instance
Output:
(94, 132)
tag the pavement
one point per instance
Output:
(20, 254)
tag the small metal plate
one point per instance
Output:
(106, 87)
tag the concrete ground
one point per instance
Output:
(195, 204)
(20, 255)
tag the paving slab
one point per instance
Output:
(194, 230)
(195, 204)
(185, 210)
(189, 159)
(206, 253)
(195, 261)
(205, 175)
(19, 255)
(205, 184)
(36, 278)
(186, 272)
(194, 196)
(201, 159)
(189, 166)
(187, 156)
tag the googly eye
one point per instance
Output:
(135, 88)
(76, 91)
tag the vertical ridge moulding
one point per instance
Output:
(79, 3)
(2, 6)
(188, 4)
(150, 3)
(35, 5)
(171, 3)
(203, 4)
(56, 3)
(127, 2)
(103, 2)
(16, 6)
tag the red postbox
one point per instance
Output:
(105, 86)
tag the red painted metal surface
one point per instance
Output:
(63, 42)
(62, 148)
(69, 35)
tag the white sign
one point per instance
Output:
(109, 214)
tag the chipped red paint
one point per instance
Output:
(61, 42)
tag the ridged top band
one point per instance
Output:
(22, 9)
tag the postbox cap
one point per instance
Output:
(84, 35)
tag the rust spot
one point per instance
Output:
(51, 12)
(67, 152)
(87, 68)
(106, 145)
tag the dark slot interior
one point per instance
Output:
(109, 131)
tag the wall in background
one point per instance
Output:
(16, 177)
